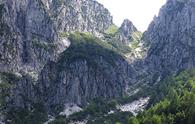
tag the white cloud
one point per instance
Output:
(140, 12)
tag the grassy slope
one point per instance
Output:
(86, 46)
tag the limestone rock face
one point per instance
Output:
(32, 45)
(79, 15)
(171, 39)
(54, 69)
(79, 82)
(27, 36)
(126, 30)
(30, 29)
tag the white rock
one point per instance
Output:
(135, 106)
(70, 109)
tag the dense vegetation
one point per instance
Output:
(6, 82)
(112, 30)
(172, 102)
(86, 46)
(136, 39)
(97, 112)
(178, 101)
(36, 114)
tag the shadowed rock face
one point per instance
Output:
(30, 29)
(54, 71)
(172, 40)
(83, 74)
(28, 35)
(31, 46)
(80, 82)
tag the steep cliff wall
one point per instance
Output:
(45, 60)
(79, 15)
(30, 29)
(171, 36)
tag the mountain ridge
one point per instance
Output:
(55, 53)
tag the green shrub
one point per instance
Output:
(177, 104)
(7, 81)
(23, 116)
(43, 45)
(59, 120)
(112, 30)
(133, 120)
(87, 47)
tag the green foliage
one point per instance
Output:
(143, 91)
(120, 47)
(115, 118)
(96, 108)
(97, 113)
(18, 115)
(7, 80)
(24, 116)
(112, 30)
(125, 48)
(56, 109)
(155, 119)
(136, 38)
(133, 120)
(63, 35)
(177, 102)
(9, 77)
(43, 45)
(4, 92)
(59, 120)
(87, 47)
(173, 102)
(134, 44)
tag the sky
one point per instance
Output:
(140, 12)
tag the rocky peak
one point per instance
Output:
(127, 28)
(125, 32)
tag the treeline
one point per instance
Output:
(176, 96)
(172, 102)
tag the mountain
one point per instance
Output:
(176, 105)
(31, 29)
(55, 53)
(126, 30)
(58, 57)
(171, 37)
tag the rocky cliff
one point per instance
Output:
(83, 74)
(59, 52)
(171, 39)
(78, 15)
(45, 61)
(30, 29)
(126, 31)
